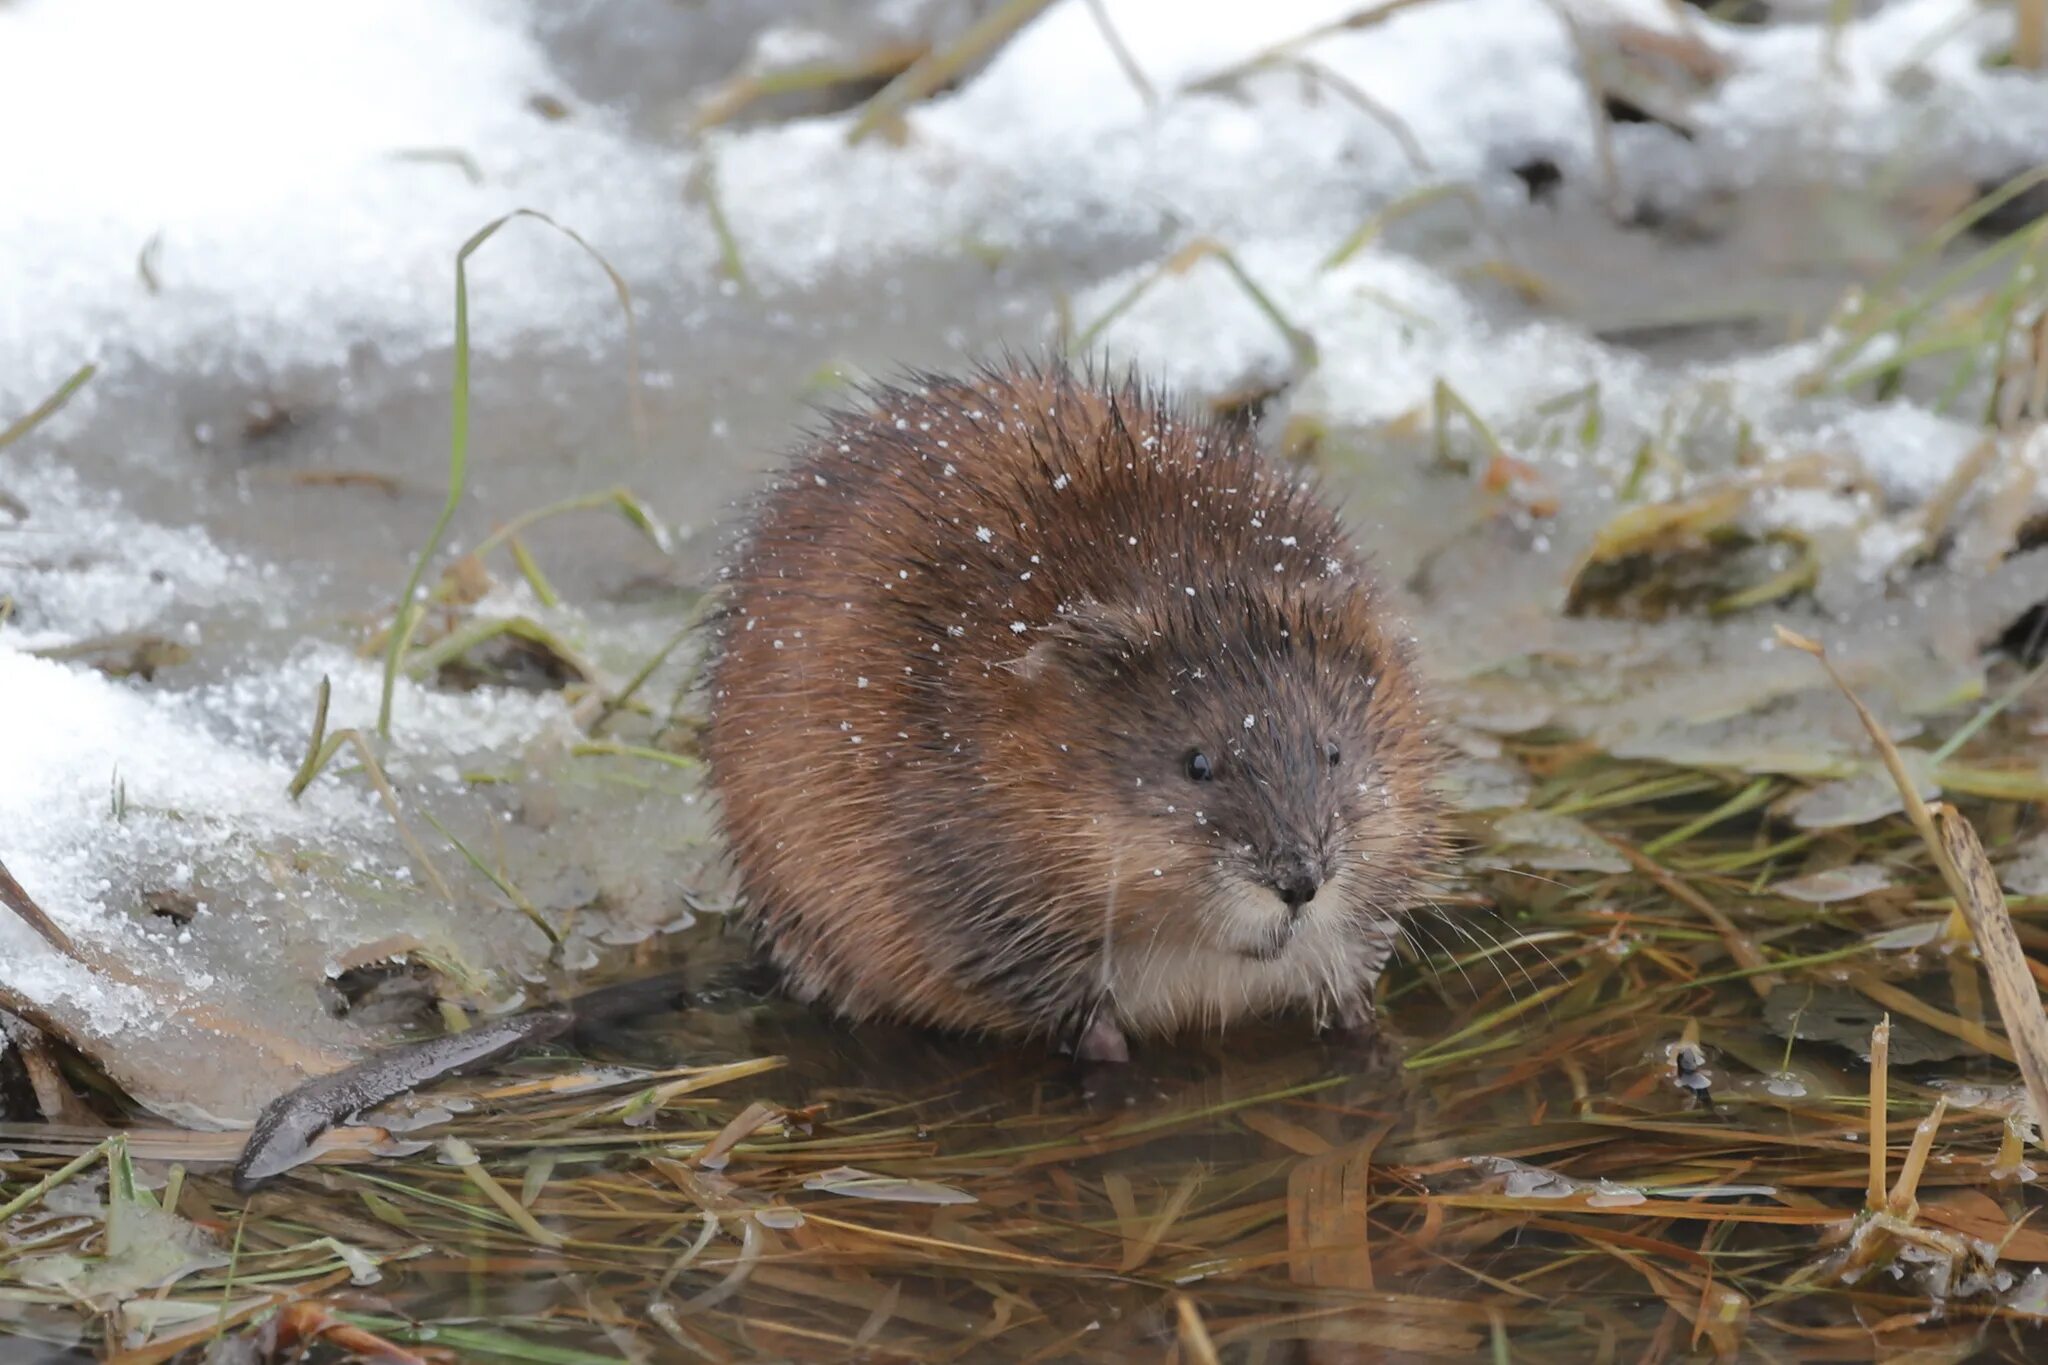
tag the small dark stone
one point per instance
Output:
(549, 107)
(1621, 109)
(388, 991)
(175, 906)
(2026, 639)
(2016, 214)
(17, 1096)
(1744, 12)
(1541, 177)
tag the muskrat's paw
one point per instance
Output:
(1102, 1063)
(1368, 1054)
(1357, 1037)
(1102, 1042)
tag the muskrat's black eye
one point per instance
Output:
(1333, 753)
(1199, 767)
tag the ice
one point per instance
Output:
(2024, 870)
(1908, 451)
(859, 1184)
(81, 566)
(1521, 1180)
(112, 791)
(1836, 884)
(1870, 795)
(1544, 839)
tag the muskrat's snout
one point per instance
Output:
(1284, 805)
(1276, 891)
(1295, 879)
(1277, 898)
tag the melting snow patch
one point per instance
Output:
(77, 565)
(293, 208)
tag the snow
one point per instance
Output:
(272, 155)
(82, 566)
(294, 180)
(110, 790)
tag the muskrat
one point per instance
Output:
(1042, 707)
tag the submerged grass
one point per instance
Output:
(1609, 1149)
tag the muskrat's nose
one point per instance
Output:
(1297, 887)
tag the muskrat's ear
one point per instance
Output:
(1085, 633)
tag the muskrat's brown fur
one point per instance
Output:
(974, 645)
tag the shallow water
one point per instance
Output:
(1498, 1197)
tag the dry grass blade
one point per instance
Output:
(1909, 791)
(1137, 1253)
(462, 1156)
(1412, 202)
(703, 188)
(1363, 18)
(934, 69)
(1741, 947)
(1444, 402)
(320, 751)
(1195, 1342)
(618, 499)
(1129, 64)
(495, 878)
(43, 411)
(1328, 1230)
(1880, 1081)
(33, 1195)
(733, 97)
(21, 903)
(608, 749)
(1905, 1196)
(1186, 258)
(744, 1125)
(2012, 984)
(1940, 509)
(1901, 1001)
(624, 694)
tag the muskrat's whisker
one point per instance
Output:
(1106, 958)
(1412, 926)
(1518, 940)
(1534, 877)
(1491, 951)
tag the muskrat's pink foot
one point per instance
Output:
(1102, 1065)
(1102, 1041)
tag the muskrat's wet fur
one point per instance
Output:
(974, 644)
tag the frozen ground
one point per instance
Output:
(246, 215)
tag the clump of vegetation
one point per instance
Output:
(1594, 1150)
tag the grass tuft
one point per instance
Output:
(410, 607)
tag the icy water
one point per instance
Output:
(1540, 1181)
